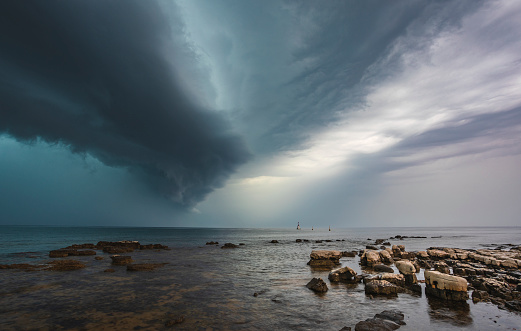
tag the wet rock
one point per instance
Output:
(381, 287)
(513, 305)
(442, 267)
(65, 265)
(437, 254)
(212, 243)
(121, 259)
(392, 315)
(317, 285)
(348, 253)
(478, 295)
(229, 245)
(376, 324)
(422, 255)
(274, 241)
(383, 268)
(298, 240)
(61, 253)
(344, 274)
(346, 328)
(445, 286)
(318, 241)
(379, 241)
(408, 255)
(370, 258)
(144, 266)
(82, 246)
(416, 265)
(371, 247)
(386, 257)
(324, 258)
(99, 258)
(117, 249)
(109, 270)
(20, 266)
(386, 243)
(396, 279)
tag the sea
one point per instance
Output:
(258, 286)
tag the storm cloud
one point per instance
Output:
(106, 79)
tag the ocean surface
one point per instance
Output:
(214, 288)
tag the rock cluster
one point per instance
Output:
(110, 247)
(386, 320)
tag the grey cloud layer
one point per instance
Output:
(95, 76)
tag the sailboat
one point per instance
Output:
(298, 225)
(330, 228)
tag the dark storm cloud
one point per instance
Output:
(96, 76)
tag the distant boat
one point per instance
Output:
(311, 228)
(298, 225)
(330, 228)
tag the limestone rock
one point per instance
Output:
(396, 279)
(370, 258)
(121, 259)
(383, 268)
(324, 258)
(445, 286)
(386, 257)
(405, 267)
(229, 245)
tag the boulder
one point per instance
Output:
(422, 255)
(348, 253)
(317, 285)
(437, 254)
(344, 274)
(383, 268)
(121, 259)
(386, 257)
(298, 240)
(382, 287)
(61, 253)
(405, 267)
(371, 247)
(274, 241)
(370, 258)
(117, 249)
(392, 315)
(212, 243)
(376, 324)
(445, 286)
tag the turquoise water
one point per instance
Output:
(213, 288)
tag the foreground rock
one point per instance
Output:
(345, 274)
(317, 285)
(324, 258)
(65, 265)
(384, 321)
(407, 269)
(445, 286)
(370, 258)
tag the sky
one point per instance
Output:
(233, 113)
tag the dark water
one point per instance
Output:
(213, 287)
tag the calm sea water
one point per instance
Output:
(213, 288)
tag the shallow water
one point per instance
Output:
(213, 288)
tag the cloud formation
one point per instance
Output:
(110, 79)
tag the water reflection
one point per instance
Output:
(453, 312)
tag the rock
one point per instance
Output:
(117, 249)
(86, 252)
(121, 259)
(383, 268)
(348, 254)
(21, 266)
(344, 274)
(324, 258)
(318, 241)
(397, 252)
(109, 270)
(386, 243)
(144, 266)
(153, 246)
(229, 245)
(370, 258)
(405, 267)
(416, 265)
(65, 265)
(396, 279)
(382, 287)
(317, 285)
(98, 258)
(376, 324)
(298, 240)
(123, 243)
(379, 241)
(60, 253)
(442, 267)
(392, 315)
(408, 255)
(386, 257)
(437, 254)
(371, 247)
(82, 246)
(274, 241)
(445, 286)
(422, 255)
(478, 295)
(212, 243)
(345, 328)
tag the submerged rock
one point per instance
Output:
(229, 245)
(121, 259)
(317, 285)
(383, 268)
(65, 265)
(144, 266)
(382, 287)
